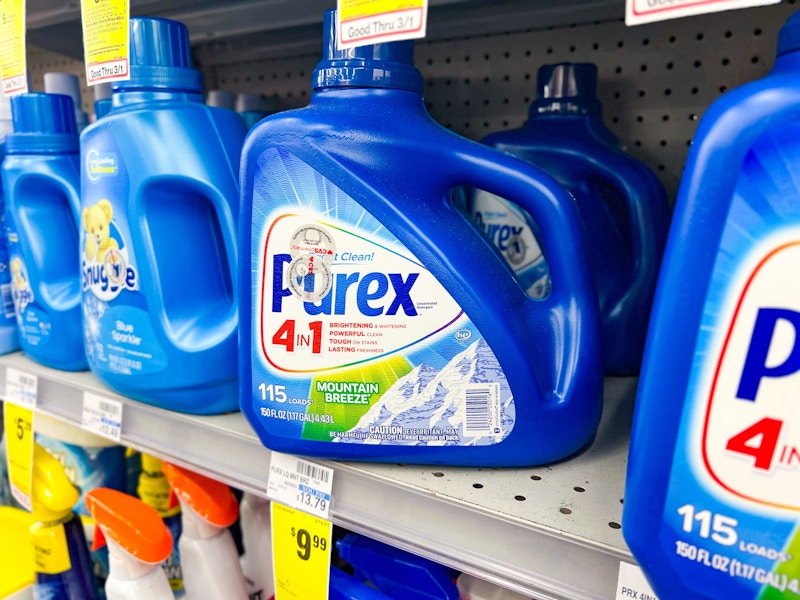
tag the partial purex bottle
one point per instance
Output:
(712, 498)
(41, 179)
(9, 340)
(158, 232)
(622, 203)
(381, 324)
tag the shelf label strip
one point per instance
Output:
(18, 408)
(13, 61)
(301, 549)
(300, 483)
(632, 583)
(102, 416)
(106, 37)
(362, 23)
(638, 12)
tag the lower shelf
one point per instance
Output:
(549, 532)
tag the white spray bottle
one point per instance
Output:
(138, 542)
(209, 558)
(256, 562)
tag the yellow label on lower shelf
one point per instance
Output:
(51, 553)
(19, 442)
(301, 545)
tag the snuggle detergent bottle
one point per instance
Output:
(381, 323)
(158, 232)
(712, 501)
(41, 179)
(623, 205)
(9, 341)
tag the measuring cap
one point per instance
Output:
(160, 57)
(389, 65)
(53, 494)
(210, 499)
(134, 526)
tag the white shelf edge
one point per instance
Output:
(386, 502)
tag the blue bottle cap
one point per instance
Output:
(376, 66)
(566, 88)
(160, 57)
(789, 35)
(43, 124)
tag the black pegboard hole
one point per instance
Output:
(638, 143)
(723, 89)
(565, 511)
(447, 60)
(641, 93)
(448, 104)
(639, 119)
(614, 525)
(670, 66)
(755, 60)
(728, 34)
(665, 118)
(620, 44)
(467, 81)
(477, 486)
(519, 498)
(549, 50)
(725, 62)
(467, 58)
(438, 473)
(595, 46)
(695, 91)
(643, 68)
(662, 168)
(430, 61)
(645, 42)
(536, 477)
(579, 489)
(572, 48)
(662, 143)
(615, 120)
(527, 53)
(698, 64)
(757, 32)
(672, 39)
(618, 70)
(667, 92)
(527, 76)
(699, 37)
(617, 95)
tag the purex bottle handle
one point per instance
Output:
(572, 297)
(646, 205)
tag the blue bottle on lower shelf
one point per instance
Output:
(377, 322)
(41, 179)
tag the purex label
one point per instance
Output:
(733, 503)
(119, 334)
(354, 340)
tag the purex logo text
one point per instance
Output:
(372, 297)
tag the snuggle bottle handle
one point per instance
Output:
(569, 314)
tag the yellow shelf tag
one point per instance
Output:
(13, 67)
(378, 21)
(106, 33)
(301, 546)
(19, 442)
(51, 552)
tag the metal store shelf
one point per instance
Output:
(549, 532)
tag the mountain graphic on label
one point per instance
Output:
(468, 401)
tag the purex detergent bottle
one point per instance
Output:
(158, 232)
(712, 502)
(622, 203)
(41, 179)
(380, 323)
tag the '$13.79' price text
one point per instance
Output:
(306, 542)
(313, 501)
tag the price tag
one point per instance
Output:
(648, 11)
(13, 67)
(301, 547)
(102, 416)
(19, 450)
(360, 23)
(632, 583)
(300, 483)
(106, 33)
(21, 388)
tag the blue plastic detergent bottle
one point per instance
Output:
(41, 179)
(9, 341)
(622, 203)
(712, 502)
(381, 323)
(158, 232)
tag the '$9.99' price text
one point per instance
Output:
(306, 542)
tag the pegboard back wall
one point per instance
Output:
(41, 61)
(655, 81)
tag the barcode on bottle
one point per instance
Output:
(8, 300)
(111, 410)
(482, 407)
(312, 471)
